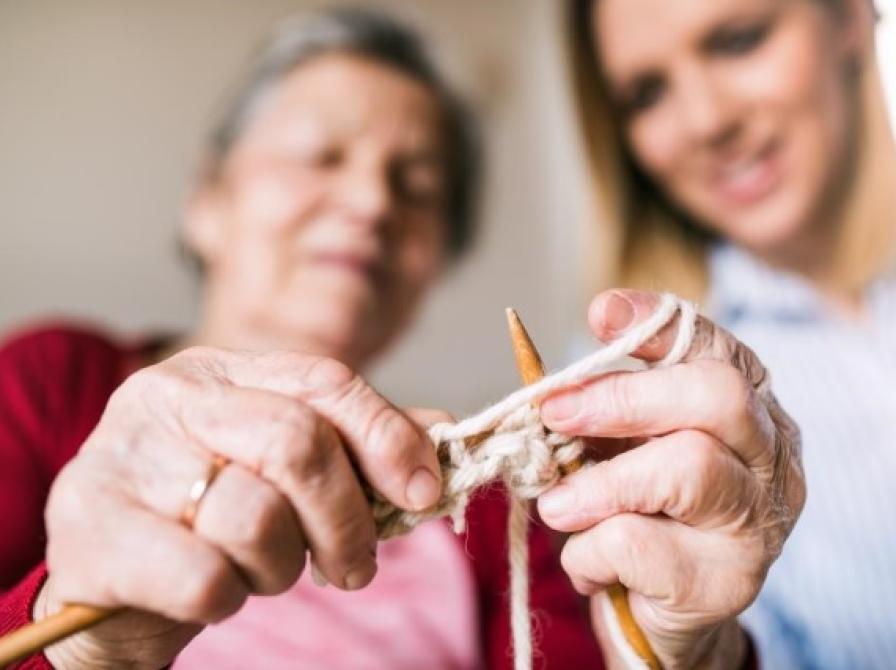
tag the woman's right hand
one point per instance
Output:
(294, 427)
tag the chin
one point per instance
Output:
(347, 332)
(768, 228)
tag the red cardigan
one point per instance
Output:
(54, 385)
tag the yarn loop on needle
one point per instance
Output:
(508, 442)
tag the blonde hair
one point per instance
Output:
(643, 242)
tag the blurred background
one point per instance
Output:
(103, 109)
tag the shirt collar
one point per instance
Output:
(745, 287)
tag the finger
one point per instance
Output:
(687, 475)
(621, 550)
(614, 312)
(394, 454)
(704, 395)
(302, 455)
(425, 417)
(682, 569)
(255, 525)
(135, 558)
(599, 449)
(283, 441)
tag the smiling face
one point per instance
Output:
(738, 110)
(325, 223)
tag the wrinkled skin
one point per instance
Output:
(292, 425)
(701, 485)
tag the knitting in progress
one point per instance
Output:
(508, 442)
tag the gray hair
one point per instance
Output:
(374, 35)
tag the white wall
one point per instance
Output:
(103, 105)
(102, 108)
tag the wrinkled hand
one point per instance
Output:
(294, 428)
(700, 486)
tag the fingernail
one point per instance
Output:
(360, 577)
(558, 501)
(423, 489)
(619, 312)
(563, 407)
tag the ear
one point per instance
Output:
(205, 220)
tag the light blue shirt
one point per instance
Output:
(830, 599)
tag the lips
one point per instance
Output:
(748, 178)
(366, 267)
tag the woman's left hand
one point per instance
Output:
(700, 486)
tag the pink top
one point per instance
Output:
(393, 623)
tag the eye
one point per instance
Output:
(326, 157)
(317, 156)
(420, 182)
(735, 41)
(643, 94)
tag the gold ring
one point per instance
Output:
(199, 488)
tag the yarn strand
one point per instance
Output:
(518, 556)
(507, 441)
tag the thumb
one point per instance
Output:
(614, 312)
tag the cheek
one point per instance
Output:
(268, 208)
(792, 76)
(657, 143)
(419, 260)
(423, 254)
(274, 200)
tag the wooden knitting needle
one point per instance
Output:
(531, 369)
(30, 639)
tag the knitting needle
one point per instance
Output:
(531, 369)
(30, 639)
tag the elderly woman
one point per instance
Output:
(742, 154)
(186, 485)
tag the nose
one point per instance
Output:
(706, 112)
(366, 191)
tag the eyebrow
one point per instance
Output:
(738, 18)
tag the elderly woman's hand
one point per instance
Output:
(701, 486)
(293, 428)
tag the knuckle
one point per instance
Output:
(259, 518)
(350, 542)
(70, 502)
(569, 561)
(306, 453)
(700, 466)
(624, 544)
(705, 339)
(729, 390)
(621, 402)
(797, 493)
(282, 577)
(568, 558)
(584, 586)
(390, 436)
(327, 375)
(700, 458)
(744, 360)
(287, 575)
(210, 591)
(172, 378)
(356, 534)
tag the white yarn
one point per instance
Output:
(629, 656)
(518, 557)
(508, 442)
